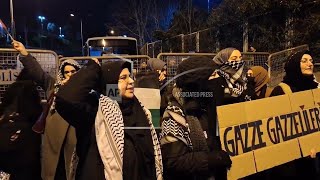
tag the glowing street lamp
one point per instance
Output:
(81, 32)
(41, 18)
(112, 32)
(61, 35)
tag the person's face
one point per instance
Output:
(126, 84)
(306, 64)
(235, 56)
(68, 71)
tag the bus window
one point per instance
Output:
(112, 45)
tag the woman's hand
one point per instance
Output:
(19, 47)
(96, 60)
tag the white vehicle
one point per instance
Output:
(120, 45)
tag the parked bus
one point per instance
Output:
(120, 45)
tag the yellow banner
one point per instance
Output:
(261, 134)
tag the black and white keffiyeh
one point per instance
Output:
(60, 77)
(109, 128)
(235, 77)
(233, 72)
(4, 175)
(185, 128)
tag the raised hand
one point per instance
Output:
(96, 60)
(19, 47)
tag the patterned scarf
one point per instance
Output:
(109, 128)
(188, 129)
(4, 175)
(60, 78)
(233, 73)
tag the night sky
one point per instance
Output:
(95, 13)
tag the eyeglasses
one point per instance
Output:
(72, 72)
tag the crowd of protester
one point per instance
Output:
(82, 134)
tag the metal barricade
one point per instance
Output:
(139, 62)
(10, 66)
(190, 42)
(173, 59)
(256, 59)
(276, 63)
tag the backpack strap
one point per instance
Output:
(268, 92)
(285, 87)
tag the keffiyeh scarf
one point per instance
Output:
(109, 128)
(60, 78)
(233, 73)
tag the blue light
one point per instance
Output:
(41, 18)
(61, 36)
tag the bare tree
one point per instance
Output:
(142, 17)
(133, 17)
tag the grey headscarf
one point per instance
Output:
(233, 72)
(155, 64)
(223, 55)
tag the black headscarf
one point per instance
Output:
(194, 73)
(22, 97)
(294, 77)
(138, 147)
(110, 72)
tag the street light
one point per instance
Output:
(81, 33)
(112, 32)
(41, 18)
(61, 35)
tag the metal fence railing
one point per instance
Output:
(256, 59)
(139, 62)
(173, 59)
(276, 63)
(10, 66)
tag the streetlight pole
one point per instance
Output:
(13, 30)
(81, 34)
(81, 31)
(41, 18)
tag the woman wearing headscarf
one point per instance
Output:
(19, 145)
(116, 140)
(189, 140)
(59, 137)
(155, 77)
(260, 78)
(299, 74)
(299, 77)
(232, 75)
